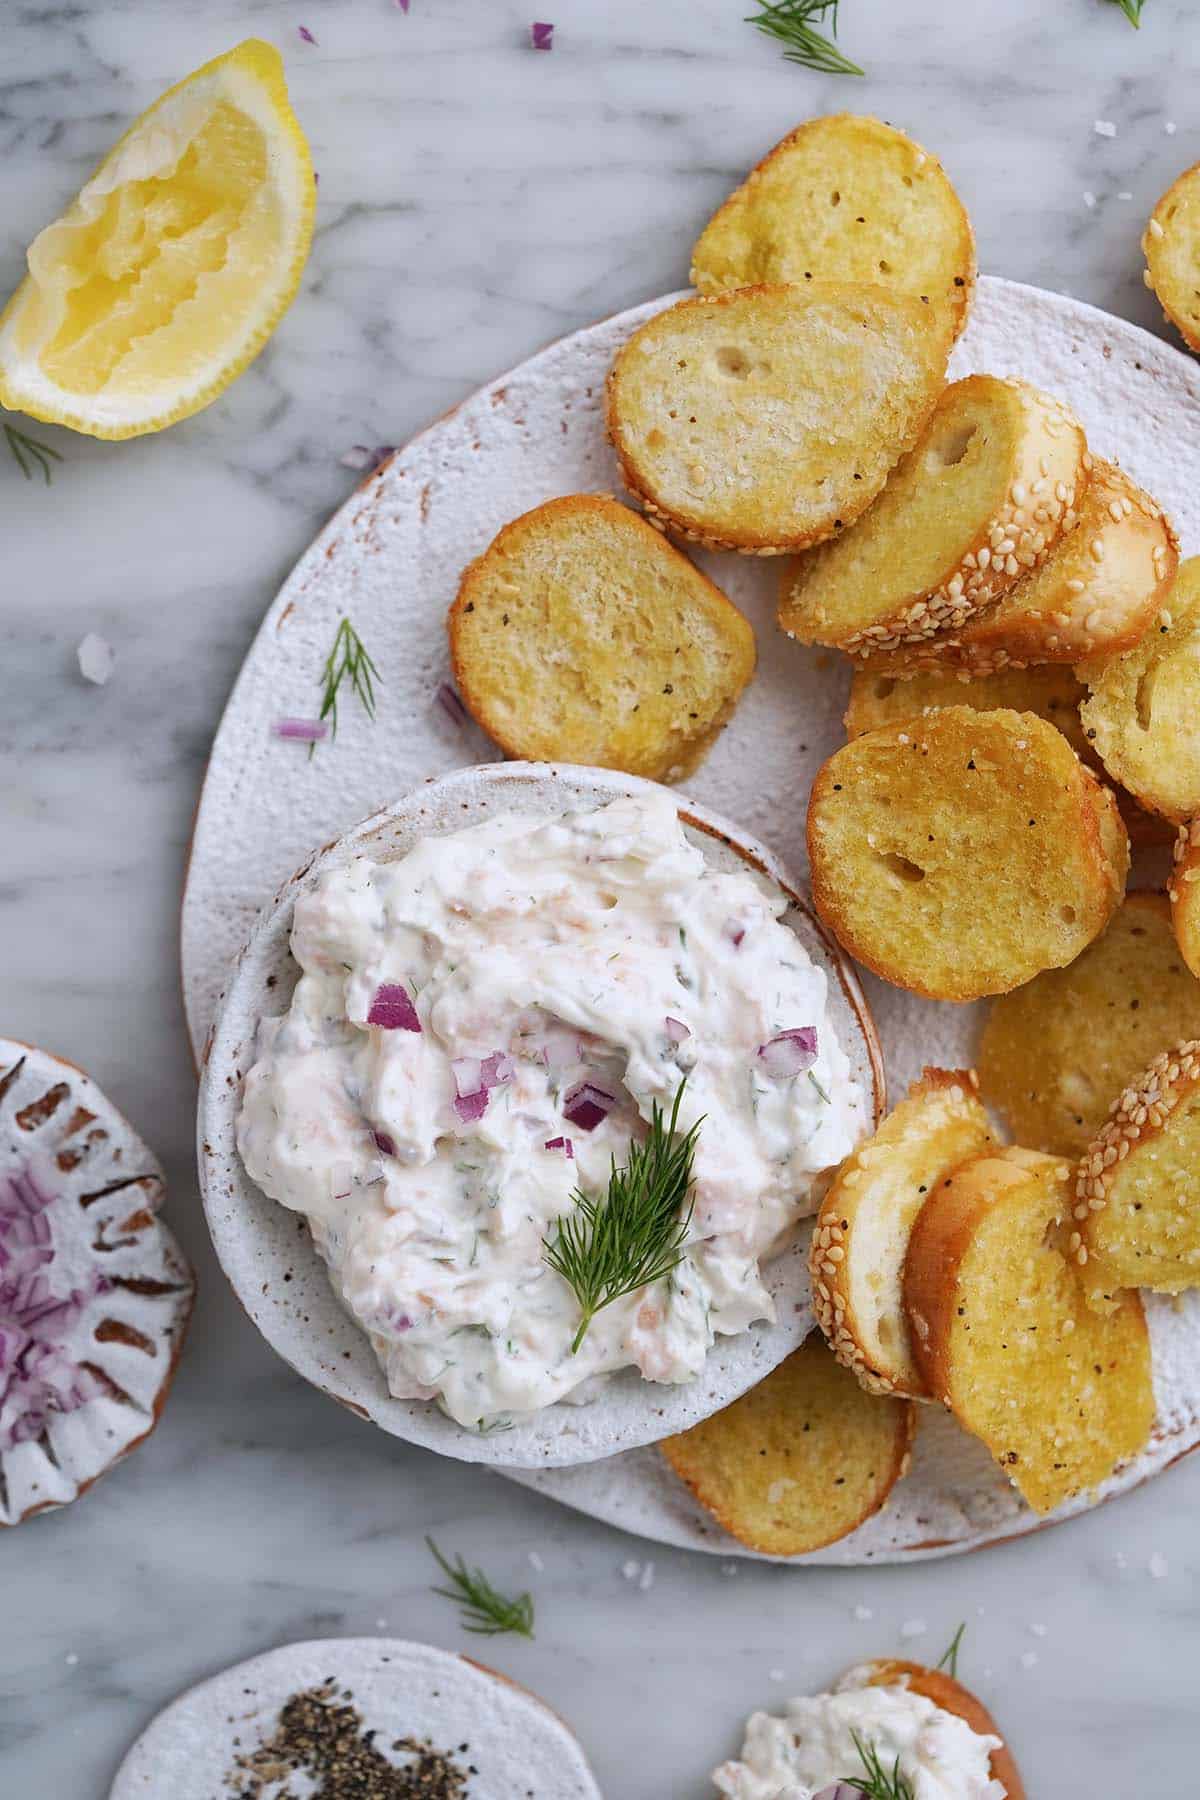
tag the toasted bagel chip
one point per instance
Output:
(1144, 705)
(1171, 246)
(580, 635)
(1004, 1335)
(959, 854)
(1055, 1053)
(1054, 694)
(989, 488)
(861, 1235)
(1051, 691)
(846, 198)
(801, 1460)
(1096, 592)
(1183, 889)
(951, 1695)
(1135, 1191)
(719, 410)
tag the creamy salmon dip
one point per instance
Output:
(810, 1749)
(478, 1030)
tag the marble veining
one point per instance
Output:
(477, 199)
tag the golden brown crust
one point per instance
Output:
(801, 1460)
(603, 677)
(765, 230)
(846, 498)
(938, 1125)
(950, 1694)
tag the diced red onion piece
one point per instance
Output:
(470, 1107)
(308, 731)
(565, 1144)
(383, 1143)
(735, 933)
(496, 1069)
(468, 1075)
(392, 1008)
(403, 5)
(677, 1031)
(541, 35)
(450, 701)
(306, 34)
(587, 1106)
(790, 1053)
(366, 456)
(839, 1790)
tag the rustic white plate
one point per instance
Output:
(390, 560)
(273, 1265)
(512, 1740)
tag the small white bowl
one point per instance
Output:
(266, 1250)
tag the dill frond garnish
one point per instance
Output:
(485, 1611)
(348, 660)
(876, 1783)
(635, 1234)
(791, 22)
(949, 1660)
(28, 451)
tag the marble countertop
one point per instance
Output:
(477, 199)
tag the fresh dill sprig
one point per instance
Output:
(791, 22)
(1132, 10)
(950, 1658)
(484, 1611)
(27, 450)
(875, 1783)
(349, 659)
(609, 1247)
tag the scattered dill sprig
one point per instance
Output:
(1132, 10)
(609, 1247)
(348, 660)
(875, 1783)
(791, 22)
(484, 1611)
(27, 451)
(949, 1660)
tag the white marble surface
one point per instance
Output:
(477, 199)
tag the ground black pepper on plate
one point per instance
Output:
(320, 1734)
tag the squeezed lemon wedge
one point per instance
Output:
(170, 270)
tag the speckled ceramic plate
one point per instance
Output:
(514, 1745)
(391, 561)
(274, 1267)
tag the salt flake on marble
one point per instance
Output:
(1170, 127)
(1029, 1659)
(71, 1659)
(535, 1561)
(1158, 1566)
(1104, 128)
(775, 1675)
(631, 1569)
(96, 658)
(647, 1577)
(863, 1613)
(913, 1628)
(1037, 1629)
(1089, 199)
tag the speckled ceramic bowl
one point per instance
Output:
(266, 1250)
